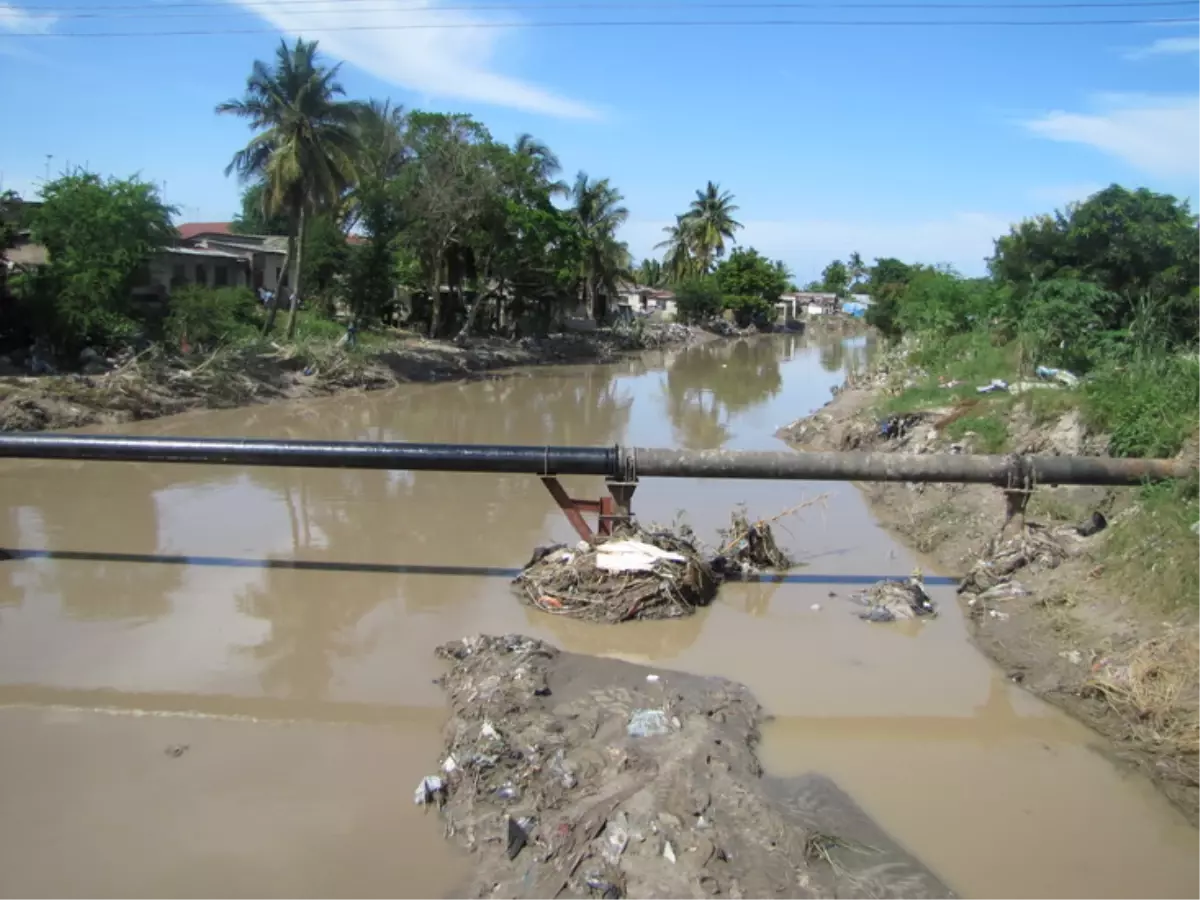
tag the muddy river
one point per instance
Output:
(217, 681)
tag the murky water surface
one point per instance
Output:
(218, 681)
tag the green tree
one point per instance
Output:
(680, 260)
(598, 213)
(651, 273)
(835, 277)
(711, 222)
(376, 205)
(889, 279)
(858, 271)
(698, 299)
(304, 147)
(749, 274)
(100, 235)
(254, 219)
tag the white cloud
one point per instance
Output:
(1172, 46)
(963, 240)
(1158, 135)
(13, 18)
(453, 63)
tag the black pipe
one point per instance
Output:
(902, 467)
(315, 454)
(611, 462)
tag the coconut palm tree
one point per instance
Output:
(858, 269)
(597, 211)
(680, 261)
(651, 273)
(712, 222)
(304, 147)
(543, 163)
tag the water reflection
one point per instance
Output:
(708, 384)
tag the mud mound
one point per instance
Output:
(635, 574)
(577, 776)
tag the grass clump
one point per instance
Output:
(990, 432)
(1148, 406)
(1152, 550)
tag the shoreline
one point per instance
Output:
(1064, 630)
(156, 384)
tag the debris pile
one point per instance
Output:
(635, 574)
(749, 547)
(889, 601)
(577, 776)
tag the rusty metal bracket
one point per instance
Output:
(610, 511)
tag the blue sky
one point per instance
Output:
(919, 142)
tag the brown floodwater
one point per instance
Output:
(219, 681)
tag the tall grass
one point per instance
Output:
(1149, 405)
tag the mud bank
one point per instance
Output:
(1040, 598)
(568, 775)
(157, 384)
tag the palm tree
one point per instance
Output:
(597, 211)
(680, 261)
(543, 163)
(651, 274)
(858, 269)
(711, 217)
(304, 147)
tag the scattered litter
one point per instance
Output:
(1062, 376)
(1196, 527)
(508, 792)
(996, 385)
(617, 840)
(648, 723)
(899, 425)
(887, 601)
(487, 732)
(816, 607)
(668, 852)
(1006, 590)
(632, 556)
(952, 383)
(449, 765)
(652, 678)
(606, 889)
(518, 835)
(1072, 656)
(1094, 525)
(1035, 547)
(431, 790)
(176, 750)
(996, 614)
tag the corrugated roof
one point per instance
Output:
(205, 252)
(190, 230)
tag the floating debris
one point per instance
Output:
(889, 601)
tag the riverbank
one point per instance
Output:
(159, 383)
(1103, 626)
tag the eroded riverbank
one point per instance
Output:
(279, 625)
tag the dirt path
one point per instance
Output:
(1055, 620)
(156, 385)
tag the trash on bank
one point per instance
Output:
(750, 546)
(431, 790)
(994, 386)
(648, 723)
(889, 601)
(1062, 376)
(1094, 525)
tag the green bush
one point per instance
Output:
(1148, 406)
(698, 300)
(207, 317)
(750, 310)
